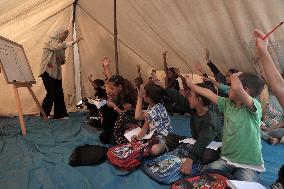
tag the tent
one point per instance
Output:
(145, 29)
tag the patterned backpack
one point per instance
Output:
(166, 168)
(129, 156)
(203, 181)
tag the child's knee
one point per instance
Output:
(247, 175)
(172, 141)
(218, 164)
(210, 156)
(157, 149)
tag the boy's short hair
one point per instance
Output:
(253, 83)
(100, 83)
(154, 92)
(206, 101)
(233, 70)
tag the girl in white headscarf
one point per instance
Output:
(50, 71)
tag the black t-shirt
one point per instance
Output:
(174, 84)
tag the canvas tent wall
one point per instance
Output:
(146, 28)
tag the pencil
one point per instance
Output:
(263, 38)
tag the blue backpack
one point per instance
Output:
(165, 169)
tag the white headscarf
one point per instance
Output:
(57, 32)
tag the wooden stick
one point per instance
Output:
(19, 107)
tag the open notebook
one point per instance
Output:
(213, 145)
(236, 184)
(136, 131)
(99, 103)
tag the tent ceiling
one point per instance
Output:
(146, 28)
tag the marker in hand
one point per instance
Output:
(264, 37)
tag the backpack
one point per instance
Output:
(129, 156)
(204, 181)
(165, 169)
(87, 155)
(279, 183)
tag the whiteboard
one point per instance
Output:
(14, 62)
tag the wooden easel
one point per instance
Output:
(17, 72)
(19, 107)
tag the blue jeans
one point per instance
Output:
(238, 173)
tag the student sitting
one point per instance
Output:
(171, 75)
(156, 118)
(205, 128)
(224, 79)
(98, 85)
(273, 122)
(241, 145)
(121, 97)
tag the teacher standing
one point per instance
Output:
(53, 58)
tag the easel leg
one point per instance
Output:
(19, 107)
(37, 102)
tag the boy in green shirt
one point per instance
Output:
(241, 151)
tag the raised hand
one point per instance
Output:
(165, 54)
(106, 62)
(138, 67)
(235, 81)
(207, 54)
(141, 91)
(261, 45)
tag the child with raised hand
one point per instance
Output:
(241, 149)
(105, 63)
(98, 85)
(156, 118)
(205, 128)
(138, 80)
(274, 80)
(171, 74)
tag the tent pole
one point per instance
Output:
(74, 11)
(115, 39)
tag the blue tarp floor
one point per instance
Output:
(40, 160)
